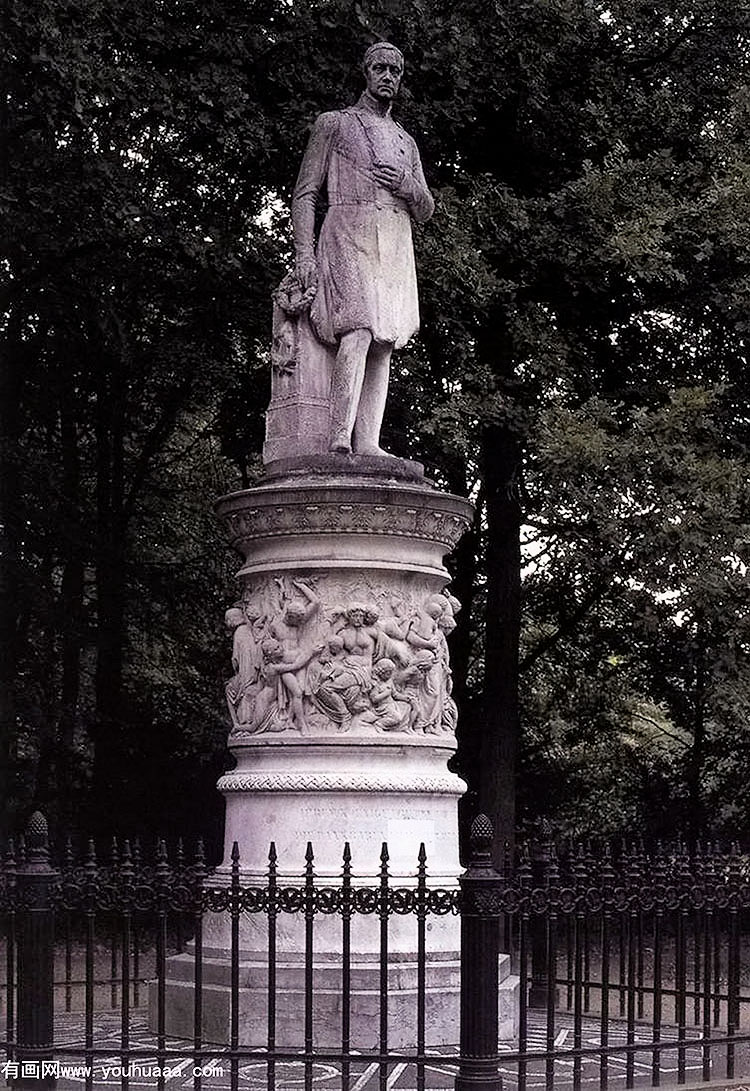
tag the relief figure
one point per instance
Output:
(246, 662)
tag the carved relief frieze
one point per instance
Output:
(341, 654)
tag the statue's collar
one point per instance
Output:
(365, 103)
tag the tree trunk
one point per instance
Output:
(500, 722)
(110, 560)
(71, 601)
(11, 519)
(696, 817)
(45, 638)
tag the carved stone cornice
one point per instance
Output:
(391, 511)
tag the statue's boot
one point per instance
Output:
(372, 401)
(346, 387)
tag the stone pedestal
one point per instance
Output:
(343, 726)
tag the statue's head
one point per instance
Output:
(383, 66)
(447, 622)
(234, 617)
(424, 660)
(435, 607)
(295, 613)
(356, 612)
(272, 649)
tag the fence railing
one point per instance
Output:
(632, 968)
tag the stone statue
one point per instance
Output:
(341, 683)
(365, 302)
(446, 625)
(279, 703)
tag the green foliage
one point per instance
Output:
(585, 289)
(640, 590)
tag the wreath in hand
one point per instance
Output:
(290, 297)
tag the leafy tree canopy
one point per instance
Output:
(579, 372)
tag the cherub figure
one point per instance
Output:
(288, 628)
(385, 713)
(281, 688)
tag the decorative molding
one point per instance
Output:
(424, 521)
(442, 784)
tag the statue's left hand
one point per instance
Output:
(307, 271)
(391, 178)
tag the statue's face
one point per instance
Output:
(272, 651)
(295, 613)
(383, 74)
(233, 618)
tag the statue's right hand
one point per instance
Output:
(307, 271)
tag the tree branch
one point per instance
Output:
(563, 630)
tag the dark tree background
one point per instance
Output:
(580, 374)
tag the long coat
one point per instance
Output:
(365, 257)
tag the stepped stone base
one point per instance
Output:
(441, 1001)
(331, 466)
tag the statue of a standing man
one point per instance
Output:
(366, 301)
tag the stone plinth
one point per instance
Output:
(343, 723)
(441, 1000)
(338, 524)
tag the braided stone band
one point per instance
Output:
(446, 784)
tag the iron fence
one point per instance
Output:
(628, 968)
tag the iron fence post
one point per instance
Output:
(541, 854)
(481, 885)
(36, 962)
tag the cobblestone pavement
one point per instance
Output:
(365, 1075)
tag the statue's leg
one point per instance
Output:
(372, 401)
(346, 386)
(294, 692)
